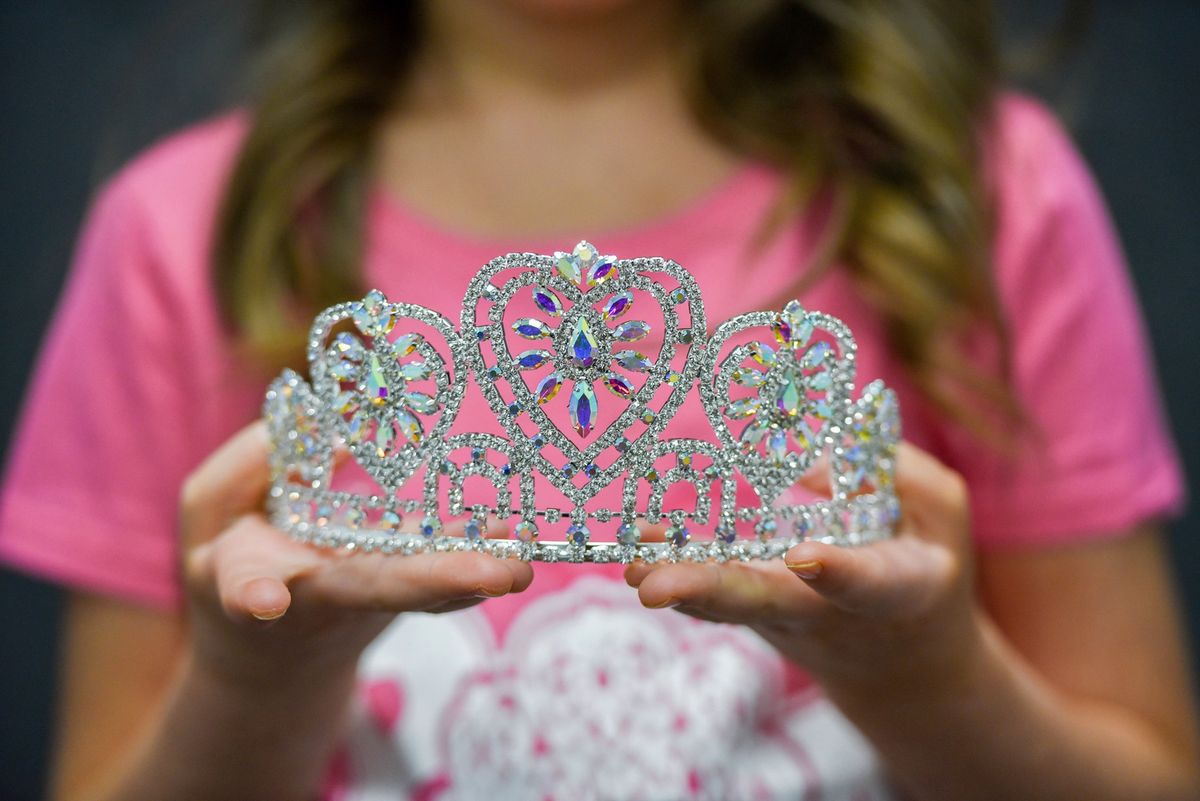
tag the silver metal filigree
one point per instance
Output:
(584, 360)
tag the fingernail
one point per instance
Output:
(806, 570)
(667, 604)
(268, 616)
(486, 593)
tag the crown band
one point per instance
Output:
(553, 345)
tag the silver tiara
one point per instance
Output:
(583, 361)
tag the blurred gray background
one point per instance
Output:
(84, 85)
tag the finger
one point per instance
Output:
(731, 592)
(816, 479)
(932, 496)
(232, 481)
(897, 578)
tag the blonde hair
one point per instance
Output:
(882, 103)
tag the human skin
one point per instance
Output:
(1028, 674)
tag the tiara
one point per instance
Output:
(583, 362)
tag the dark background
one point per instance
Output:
(84, 85)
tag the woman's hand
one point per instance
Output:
(262, 603)
(901, 610)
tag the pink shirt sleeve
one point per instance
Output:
(1098, 459)
(122, 405)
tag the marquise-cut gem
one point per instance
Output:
(746, 377)
(547, 388)
(583, 408)
(762, 353)
(409, 426)
(349, 346)
(384, 437)
(415, 371)
(583, 344)
(345, 403)
(815, 355)
(377, 387)
(821, 381)
(617, 305)
(530, 328)
(344, 370)
(632, 360)
(547, 301)
(777, 445)
(405, 345)
(618, 385)
(604, 269)
(753, 433)
(742, 407)
(420, 403)
(532, 359)
(632, 331)
(793, 328)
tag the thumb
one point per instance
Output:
(894, 578)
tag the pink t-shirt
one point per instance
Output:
(537, 695)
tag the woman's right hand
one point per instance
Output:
(263, 603)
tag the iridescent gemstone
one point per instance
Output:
(628, 534)
(569, 264)
(583, 408)
(632, 331)
(530, 328)
(514, 408)
(684, 460)
(431, 526)
(547, 388)
(678, 536)
(618, 385)
(753, 433)
(678, 295)
(674, 377)
(648, 417)
(765, 529)
(344, 370)
(578, 534)
(547, 301)
(356, 429)
(651, 475)
(374, 315)
(789, 399)
(384, 438)
(390, 518)
(407, 344)
(745, 377)
(604, 269)
(777, 445)
(349, 346)
(493, 373)
(345, 403)
(591, 469)
(685, 335)
(377, 387)
(617, 305)
(815, 355)
(742, 407)
(475, 529)
(793, 328)
(415, 371)
(477, 455)
(726, 533)
(622, 444)
(583, 344)
(420, 403)
(482, 332)
(409, 426)
(526, 531)
(762, 353)
(532, 359)
(821, 381)
(632, 360)
(568, 470)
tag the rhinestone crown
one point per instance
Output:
(584, 388)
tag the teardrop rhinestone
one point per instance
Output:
(747, 378)
(415, 371)
(405, 345)
(618, 385)
(583, 344)
(568, 266)
(409, 426)
(374, 316)
(743, 407)
(762, 353)
(632, 360)
(420, 403)
(777, 445)
(617, 305)
(583, 408)
(547, 301)
(632, 331)
(815, 355)
(604, 269)
(530, 328)
(377, 387)
(547, 388)
(790, 397)
(793, 328)
(532, 359)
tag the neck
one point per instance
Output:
(479, 49)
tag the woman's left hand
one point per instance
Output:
(897, 613)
